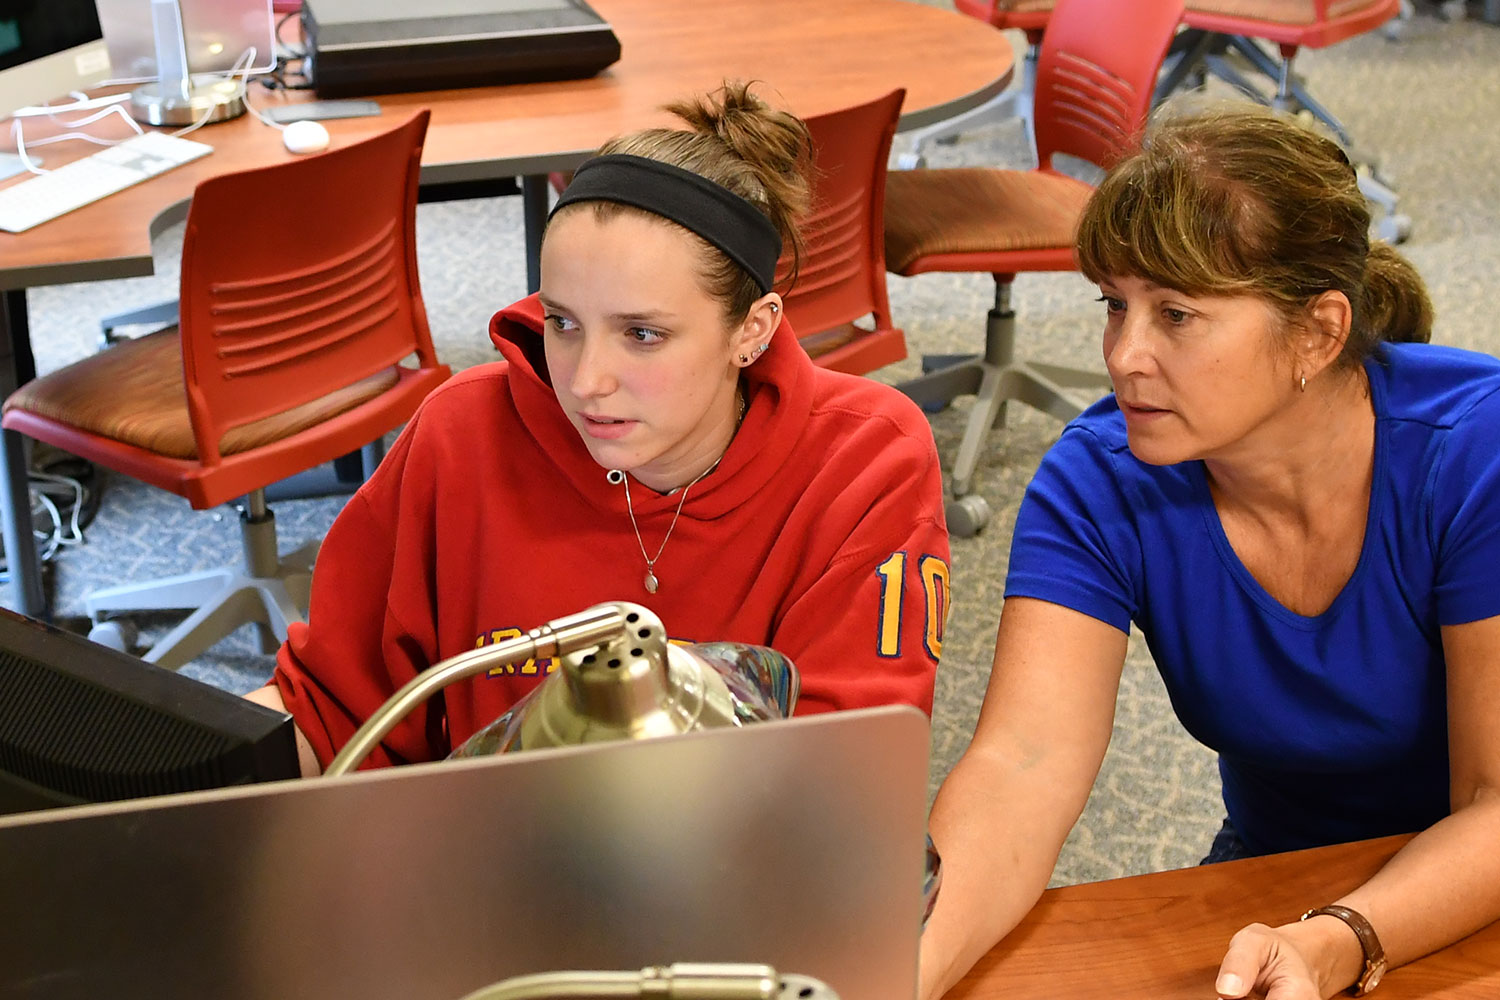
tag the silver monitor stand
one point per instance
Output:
(174, 48)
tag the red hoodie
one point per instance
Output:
(820, 534)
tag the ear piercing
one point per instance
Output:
(760, 349)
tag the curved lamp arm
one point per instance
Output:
(558, 637)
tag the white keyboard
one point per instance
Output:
(82, 182)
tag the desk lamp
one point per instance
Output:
(619, 678)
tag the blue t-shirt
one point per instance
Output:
(1329, 728)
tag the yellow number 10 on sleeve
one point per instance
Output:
(934, 575)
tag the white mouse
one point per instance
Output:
(305, 137)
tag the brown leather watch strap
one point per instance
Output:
(1368, 941)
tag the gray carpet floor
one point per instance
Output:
(1428, 104)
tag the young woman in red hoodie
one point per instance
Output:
(654, 434)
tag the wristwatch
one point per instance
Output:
(1374, 953)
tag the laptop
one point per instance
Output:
(797, 844)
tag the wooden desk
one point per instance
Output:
(818, 56)
(1162, 936)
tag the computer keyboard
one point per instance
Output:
(82, 182)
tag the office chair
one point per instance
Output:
(1223, 39)
(1096, 74)
(288, 354)
(1029, 16)
(842, 275)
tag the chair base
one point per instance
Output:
(1016, 102)
(160, 315)
(270, 593)
(995, 379)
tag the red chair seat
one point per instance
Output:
(930, 219)
(135, 394)
(1029, 16)
(1312, 24)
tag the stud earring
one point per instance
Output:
(744, 360)
(1304, 383)
(775, 308)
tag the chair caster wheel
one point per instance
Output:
(911, 161)
(1394, 228)
(967, 515)
(116, 634)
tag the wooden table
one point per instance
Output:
(1162, 936)
(814, 55)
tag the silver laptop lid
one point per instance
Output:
(798, 844)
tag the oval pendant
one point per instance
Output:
(650, 582)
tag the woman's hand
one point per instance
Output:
(1308, 960)
(1261, 960)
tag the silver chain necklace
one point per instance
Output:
(618, 477)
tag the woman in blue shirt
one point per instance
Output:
(1297, 501)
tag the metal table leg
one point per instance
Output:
(534, 212)
(16, 368)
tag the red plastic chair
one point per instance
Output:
(1095, 79)
(296, 316)
(842, 276)
(1224, 36)
(1030, 16)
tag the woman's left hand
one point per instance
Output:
(1264, 962)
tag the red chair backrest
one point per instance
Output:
(1096, 75)
(299, 279)
(842, 274)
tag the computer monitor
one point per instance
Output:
(216, 35)
(794, 843)
(48, 48)
(80, 723)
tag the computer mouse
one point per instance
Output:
(305, 137)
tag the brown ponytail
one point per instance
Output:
(740, 143)
(1396, 306)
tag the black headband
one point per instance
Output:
(696, 203)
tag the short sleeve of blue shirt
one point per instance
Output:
(1076, 543)
(1465, 521)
